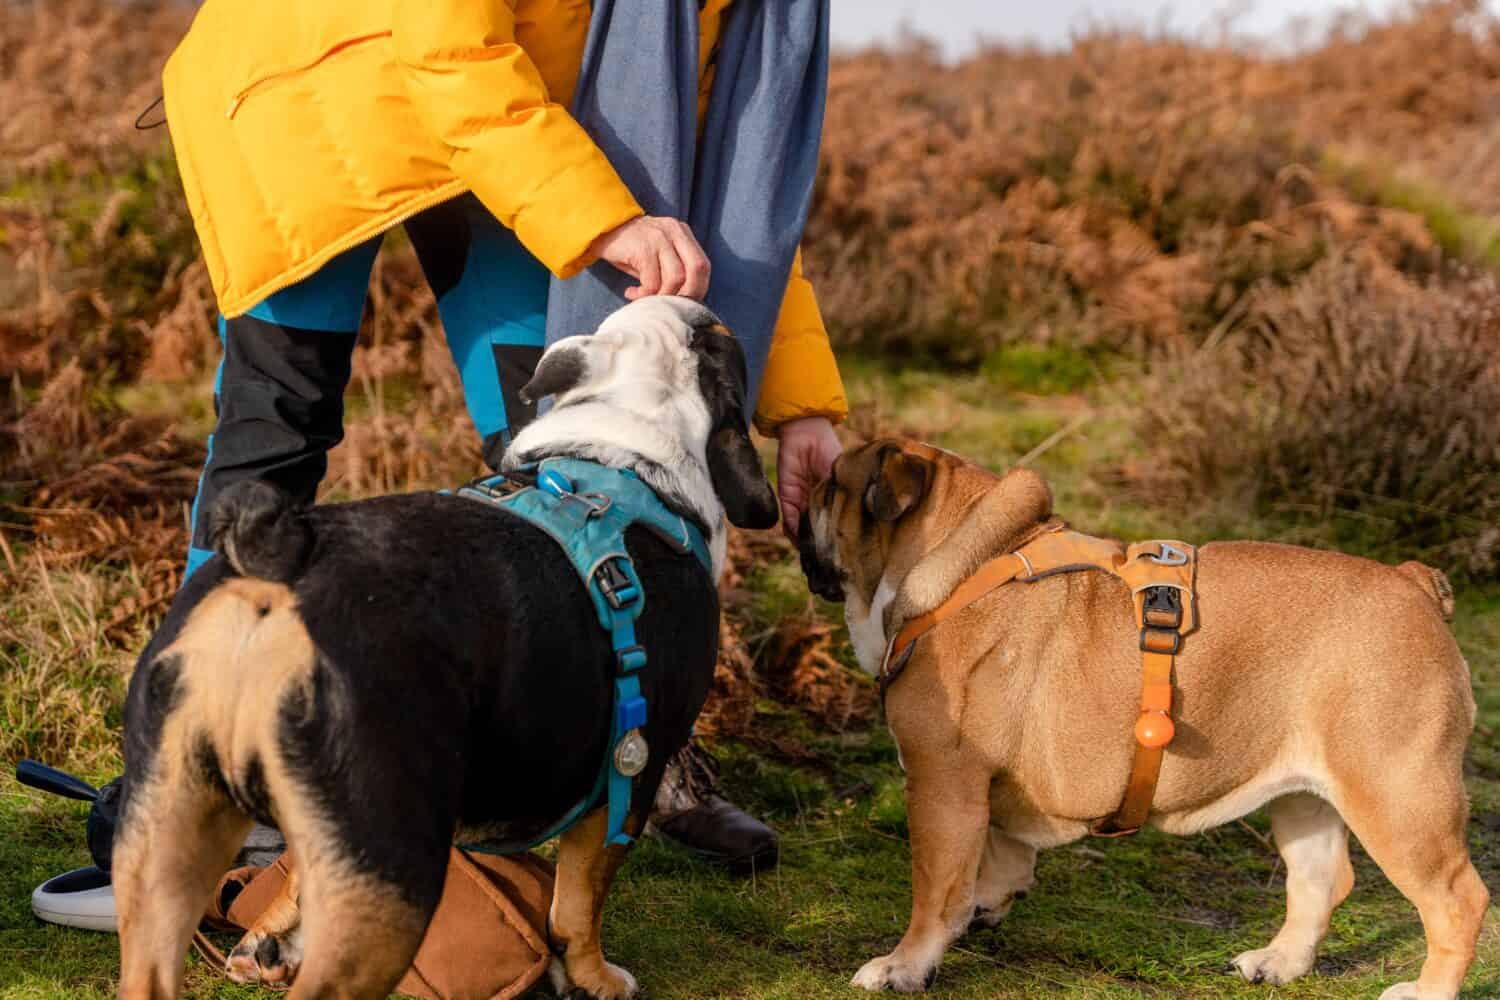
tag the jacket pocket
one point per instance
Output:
(267, 80)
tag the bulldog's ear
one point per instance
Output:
(739, 479)
(899, 484)
(562, 368)
(733, 463)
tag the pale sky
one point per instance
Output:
(957, 24)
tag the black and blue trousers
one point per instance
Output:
(279, 394)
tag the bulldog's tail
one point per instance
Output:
(261, 531)
(1434, 582)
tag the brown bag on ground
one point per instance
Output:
(487, 939)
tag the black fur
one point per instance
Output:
(559, 370)
(261, 530)
(733, 463)
(207, 764)
(154, 693)
(445, 695)
(268, 952)
(251, 794)
(823, 579)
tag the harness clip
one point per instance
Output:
(1161, 607)
(1161, 617)
(616, 585)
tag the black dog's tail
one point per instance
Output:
(261, 531)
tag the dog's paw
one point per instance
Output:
(605, 982)
(1273, 966)
(890, 973)
(271, 960)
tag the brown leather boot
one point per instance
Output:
(691, 812)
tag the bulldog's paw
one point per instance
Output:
(1410, 991)
(891, 973)
(268, 959)
(603, 981)
(1273, 966)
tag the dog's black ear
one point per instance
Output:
(561, 368)
(899, 484)
(733, 463)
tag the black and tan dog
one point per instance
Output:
(371, 677)
(1325, 687)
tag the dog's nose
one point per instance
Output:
(822, 579)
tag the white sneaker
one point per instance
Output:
(80, 898)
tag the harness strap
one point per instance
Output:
(1145, 767)
(991, 576)
(586, 508)
(1161, 577)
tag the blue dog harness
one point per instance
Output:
(586, 508)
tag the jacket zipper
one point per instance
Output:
(248, 89)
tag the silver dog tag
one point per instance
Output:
(631, 754)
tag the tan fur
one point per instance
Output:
(282, 920)
(240, 652)
(1325, 684)
(585, 871)
(992, 524)
(1434, 582)
(586, 868)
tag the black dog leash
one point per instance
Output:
(103, 814)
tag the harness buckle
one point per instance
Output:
(1161, 617)
(616, 585)
(491, 489)
(1161, 607)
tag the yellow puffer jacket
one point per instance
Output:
(304, 129)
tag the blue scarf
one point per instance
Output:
(746, 188)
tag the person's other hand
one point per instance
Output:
(803, 460)
(661, 253)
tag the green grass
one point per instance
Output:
(1462, 234)
(1151, 916)
(1044, 370)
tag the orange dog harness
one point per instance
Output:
(1160, 575)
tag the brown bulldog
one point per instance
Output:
(1323, 686)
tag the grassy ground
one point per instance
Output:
(1149, 916)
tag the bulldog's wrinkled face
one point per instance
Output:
(855, 517)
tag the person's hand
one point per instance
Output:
(803, 460)
(661, 253)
